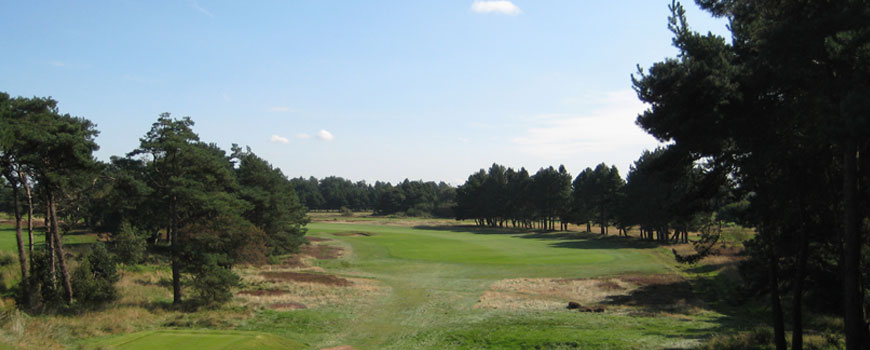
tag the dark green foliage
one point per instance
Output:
(129, 245)
(782, 108)
(503, 196)
(275, 208)
(45, 287)
(212, 282)
(596, 196)
(94, 279)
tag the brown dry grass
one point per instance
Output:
(666, 295)
(550, 293)
(282, 276)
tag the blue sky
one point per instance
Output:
(367, 90)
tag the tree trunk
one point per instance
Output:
(852, 305)
(22, 258)
(49, 242)
(797, 335)
(58, 249)
(775, 305)
(176, 265)
(23, 177)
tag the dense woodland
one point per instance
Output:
(766, 131)
(411, 198)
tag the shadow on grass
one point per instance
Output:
(566, 239)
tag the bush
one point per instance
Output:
(46, 289)
(213, 283)
(128, 245)
(345, 211)
(93, 281)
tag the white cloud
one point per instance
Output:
(279, 139)
(495, 6)
(57, 63)
(325, 135)
(605, 128)
(303, 136)
(280, 109)
(201, 9)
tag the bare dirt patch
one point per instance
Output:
(317, 239)
(354, 234)
(263, 292)
(330, 280)
(343, 347)
(287, 306)
(321, 251)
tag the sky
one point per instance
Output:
(366, 90)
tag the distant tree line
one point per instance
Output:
(411, 198)
(665, 196)
(187, 202)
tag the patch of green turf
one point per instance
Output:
(197, 339)
(8, 243)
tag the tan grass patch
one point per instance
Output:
(287, 306)
(358, 291)
(631, 293)
(321, 251)
(330, 280)
(550, 293)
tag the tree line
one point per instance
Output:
(189, 203)
(411, 198)
(665, 196)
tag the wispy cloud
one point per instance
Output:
(504, 7)
(606, 127)
(279, 139)
(325, 135)
(57, 63)
(280, 109)
(303, 136)
(201, 9)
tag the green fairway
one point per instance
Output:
(438, 288)
(8, 244)
(437, 276)
(210, 340)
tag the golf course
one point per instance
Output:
(403, 284)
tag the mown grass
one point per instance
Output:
(9, 244)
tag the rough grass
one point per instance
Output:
(199, 339)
